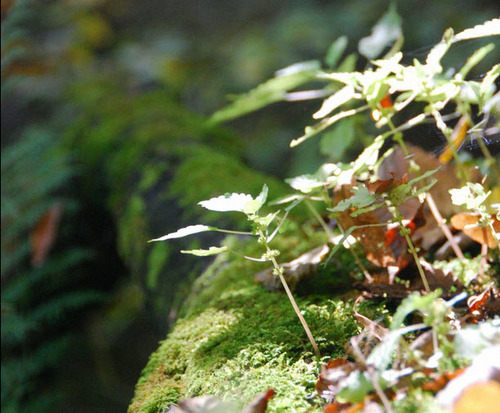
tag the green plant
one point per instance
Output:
(37, 296)
(366, 205)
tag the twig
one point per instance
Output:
(446, 231)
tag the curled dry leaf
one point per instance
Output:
(259, 404)
(333, 377)
(468, 223)
(484, 305)
(294, 271)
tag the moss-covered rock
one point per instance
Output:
(235, 339)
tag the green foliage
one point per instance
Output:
(434, 89)
(235, 339)
(36, 301)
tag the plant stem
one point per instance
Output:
(411, 248)
(446, 231)
(290, 297)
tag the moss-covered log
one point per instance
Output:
(235, 339)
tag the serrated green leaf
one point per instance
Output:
(206, 253)
(340, 97)
(236, 202)
(488, 28)
(361, 198)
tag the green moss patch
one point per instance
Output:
(235, 339)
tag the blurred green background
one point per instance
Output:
(105, 145)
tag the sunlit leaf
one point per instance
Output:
(386, 31)
(184, 232)
(412, 303)
(488, 28)
(361, 198)
(333, 102)
(472, 195)
(476, 57)
(206, 253)
(370, 155)
(271, 91)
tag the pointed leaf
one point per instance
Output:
(183, 232)
(206, 253)
(333, 102)
(386, 31)
(271, 91)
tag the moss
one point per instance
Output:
(235, 339)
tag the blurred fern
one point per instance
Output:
(36, 301)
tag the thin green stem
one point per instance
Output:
(279, 271)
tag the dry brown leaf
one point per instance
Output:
(44, 234)
(299, 269)
(371, 238)
(468, 223)
(259, 404)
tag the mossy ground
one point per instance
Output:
(235, 339)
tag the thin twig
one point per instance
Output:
(446, 231)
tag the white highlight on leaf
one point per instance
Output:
(206, 253)
(236, 202)
(183, 232)
(336, 100)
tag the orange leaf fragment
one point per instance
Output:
(44, 234)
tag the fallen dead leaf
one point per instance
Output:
(468, 223)
(301, 268)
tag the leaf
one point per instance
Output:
(472, 196)
(334, 142)
(335, 51)
(365, 228)
(259, 404)
(271, 91)
(206, 253)
(299, 269)
(386, 31)
(311, 131)
(476, 57)
(369, 155)
(361, 198)
(184, 232)
(44, 234)
(334, 101)
(236, 202)
(469, 224)
(412, 303)
(488, 28)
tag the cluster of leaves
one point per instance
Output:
(392, 205)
